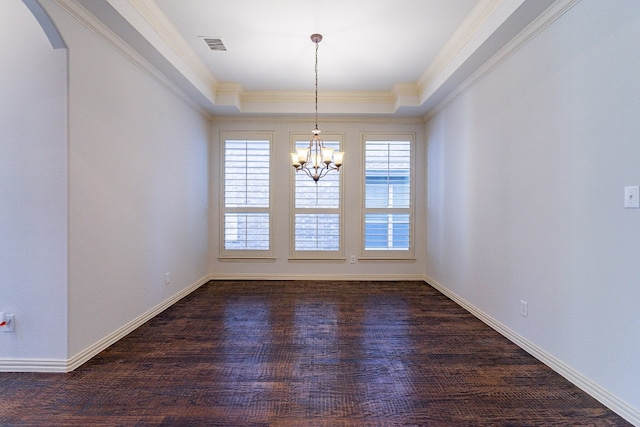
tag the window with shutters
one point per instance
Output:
(317, 208)
(388, 207)
(246, 220)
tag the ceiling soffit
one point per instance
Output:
(487, 29)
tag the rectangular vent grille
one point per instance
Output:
(214, 43)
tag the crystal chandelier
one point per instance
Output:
(316, 160)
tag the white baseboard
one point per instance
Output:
(594, 390)
(33, 365)
(323, 277)
(61, 366)
(110, 339)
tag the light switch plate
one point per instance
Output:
(11, 323)
(632, 197)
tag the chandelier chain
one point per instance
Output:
(316, 160)
(316, 84)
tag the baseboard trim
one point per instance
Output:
(321, 277)
(125, 330)
(62, 366)
(33, 365)
(594, 390)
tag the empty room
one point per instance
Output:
(319, 213)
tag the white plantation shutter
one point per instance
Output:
(321, 231)
(387, 213)
(247, 196)
(317, 211)
(248, 231)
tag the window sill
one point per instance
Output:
(386, 258)
(317, 259)
(246, 259)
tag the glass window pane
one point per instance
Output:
(246, 198)
(246, 173)
(317, 232)
(246, 231)
(387, 174)
(386, 231)
(324, 193)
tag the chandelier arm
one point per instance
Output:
(305, 170)
(324, 172)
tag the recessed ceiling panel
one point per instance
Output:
(367, 45)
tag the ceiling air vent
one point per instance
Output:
(214, 43)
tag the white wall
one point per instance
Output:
(138, 188)
(33, 188)
(283, 268)
(525, 197)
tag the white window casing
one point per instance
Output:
(246, 219)
(388, 196)
(317, 219)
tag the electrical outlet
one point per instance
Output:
(167, 278)
(11, 323)
(524, 308)
(352, 260)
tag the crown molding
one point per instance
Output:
(548, 17)
(324, 97)
(150, 22)
(177, 64)
(295, 102)
(482, 22)
(326, 120)
(150, 11)
(469, 27)
(78, 12)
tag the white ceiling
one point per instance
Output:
(377, 57)
(368, 45)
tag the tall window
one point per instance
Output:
(246, 216)
(388, 196)
(317, 217)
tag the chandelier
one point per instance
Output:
(316, 160)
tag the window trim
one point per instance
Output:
(388, 254)
(316, 255)
(245, 254)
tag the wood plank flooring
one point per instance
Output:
(266, 353)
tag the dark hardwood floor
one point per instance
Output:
(306, 354)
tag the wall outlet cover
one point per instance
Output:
(632, 197)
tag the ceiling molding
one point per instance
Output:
(144, 27)
(474, 21)
(98, 27)
(548, 17)
(230, 94)
(323, 97)
(150, 11)
(479, 31)
(326, 120)
(233, 94)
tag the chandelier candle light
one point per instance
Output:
(316, 160)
